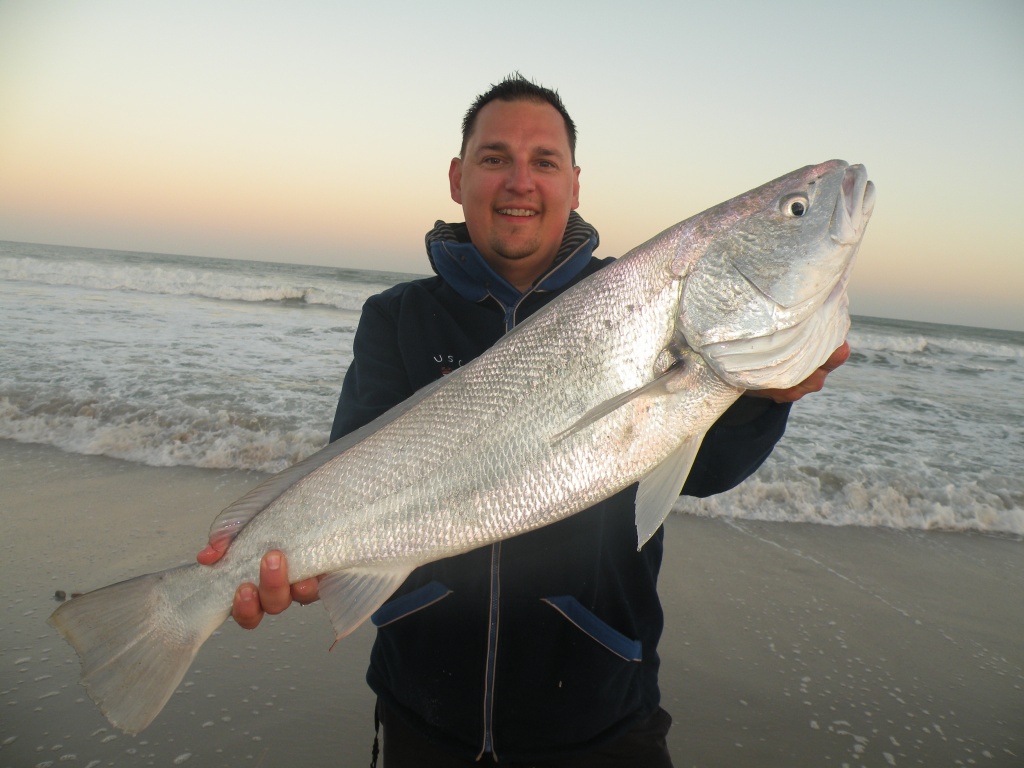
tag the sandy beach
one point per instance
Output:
(785, 645)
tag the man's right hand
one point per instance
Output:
(274, 592)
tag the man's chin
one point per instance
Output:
(514, 251)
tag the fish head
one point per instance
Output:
(765, 302)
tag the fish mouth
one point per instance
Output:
(853, 207)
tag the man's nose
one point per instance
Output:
(520, 178)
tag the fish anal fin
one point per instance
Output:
(660, 489)
(352, 595)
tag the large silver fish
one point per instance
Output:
(614, 382)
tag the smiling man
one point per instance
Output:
(517, 181)
(540, 650)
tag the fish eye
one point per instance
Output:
(795, 206)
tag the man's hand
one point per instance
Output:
(812, 383)
(273, 594)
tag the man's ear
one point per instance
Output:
(455, 179)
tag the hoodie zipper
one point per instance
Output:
(492, 653)
(490, 670)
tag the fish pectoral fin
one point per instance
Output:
(352, 595)
(660, 489)
(663, 385)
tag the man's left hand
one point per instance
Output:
(812, 383)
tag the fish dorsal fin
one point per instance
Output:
(233, 518)
(352, 595)
(660, 489)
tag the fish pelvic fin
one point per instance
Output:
(660, 489)
(137, 639)
(352, 595)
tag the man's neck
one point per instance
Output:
(523, 273)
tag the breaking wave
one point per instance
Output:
(220, 279)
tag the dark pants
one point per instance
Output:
(642, 745)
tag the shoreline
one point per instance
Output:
(785, 643)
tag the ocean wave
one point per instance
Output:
(881, 342)
(184, 281)
(197, 437)
(870, 497)
(942, 342)
(987, 349)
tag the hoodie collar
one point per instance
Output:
(457, 260)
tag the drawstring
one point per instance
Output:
(376, 735)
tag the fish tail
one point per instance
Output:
(136, 639)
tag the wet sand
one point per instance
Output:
(785, 645)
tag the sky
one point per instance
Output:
(321, 132)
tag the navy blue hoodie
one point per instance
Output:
(545, 644)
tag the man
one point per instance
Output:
(542, 649)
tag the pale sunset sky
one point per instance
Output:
(320, 132)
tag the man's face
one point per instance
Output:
(517, 184)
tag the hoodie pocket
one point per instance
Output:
(408, 604)
(572, 609)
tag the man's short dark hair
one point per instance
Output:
(515, 87)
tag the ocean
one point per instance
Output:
(177, 360)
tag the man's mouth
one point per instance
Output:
(516, 212)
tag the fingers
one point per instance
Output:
(275, 591)
(213, 552)
(272, 595)
(837, 358)
(306, 592)
(245, 609)
(813, 383)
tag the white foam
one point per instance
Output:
(876, 335)
(866, 499)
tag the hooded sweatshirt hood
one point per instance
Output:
(457, 260)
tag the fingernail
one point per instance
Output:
(246, 593)
(274, 561)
